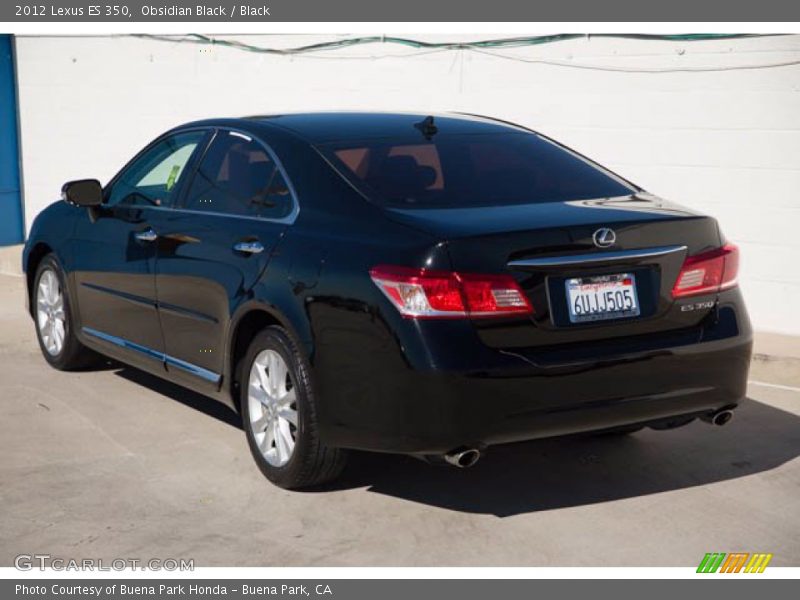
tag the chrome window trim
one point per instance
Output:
(216, 214)
(595, 257)
(213, 130)
(205, 129)
(287, 220)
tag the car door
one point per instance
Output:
(115, 251)
(214, 248)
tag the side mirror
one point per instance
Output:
(84, 192)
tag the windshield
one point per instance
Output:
(470, 170)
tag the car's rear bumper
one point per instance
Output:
(513, 396)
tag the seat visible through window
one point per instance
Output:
(238, 176)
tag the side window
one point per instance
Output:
(237, 176)
(153, 177)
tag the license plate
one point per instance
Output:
(600, 298)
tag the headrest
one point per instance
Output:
(404, 176)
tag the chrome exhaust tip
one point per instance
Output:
(719, 418)
(463, 458)
(722, 417)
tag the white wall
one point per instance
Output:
(726, 142)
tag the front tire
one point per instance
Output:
(53, 316)
(279, 414)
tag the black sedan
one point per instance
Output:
(429, 285)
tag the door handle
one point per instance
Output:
(249, 247)
(148, 235)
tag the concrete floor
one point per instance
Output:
(117, 463)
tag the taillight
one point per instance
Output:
(422, 293)
(708, 273)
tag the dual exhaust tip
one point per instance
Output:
(720, 418)
(463, 458)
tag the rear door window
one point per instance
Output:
(471, 170)
(237, 176)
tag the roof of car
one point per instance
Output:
(324, 127)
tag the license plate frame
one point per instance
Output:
(602, 298)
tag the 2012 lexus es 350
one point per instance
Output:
(429, 285)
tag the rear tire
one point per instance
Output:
(53, 317)
(279, 414)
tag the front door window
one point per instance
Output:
(152, 179)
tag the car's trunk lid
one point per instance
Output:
(543, 245)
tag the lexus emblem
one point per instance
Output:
(604, 237)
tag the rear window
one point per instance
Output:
(470, 170)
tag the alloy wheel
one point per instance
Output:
(50, 315)
(272, 404)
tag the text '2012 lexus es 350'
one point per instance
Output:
(393, 282)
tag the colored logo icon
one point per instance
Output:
(735, 562)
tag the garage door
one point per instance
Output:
(11, 227)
